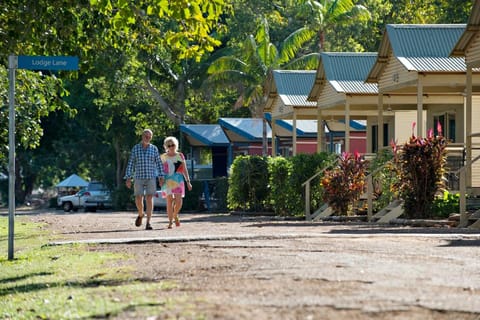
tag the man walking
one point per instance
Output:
(144, 166)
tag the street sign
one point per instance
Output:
(48, 63)
(29, 63)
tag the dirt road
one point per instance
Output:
(251, 267)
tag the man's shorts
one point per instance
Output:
(144, 187)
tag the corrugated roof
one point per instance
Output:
(293, 86)
(347, 66)
(346, 72)
(310, 127)
(247, 129)
(420, 47)
(205, 134)
(424, 40)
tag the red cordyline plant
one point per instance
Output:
(344, 184)
(421, 164)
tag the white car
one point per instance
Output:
(95, 196)
(72, 202)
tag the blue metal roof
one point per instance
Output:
(293, 86)
(420, 47)
(424, 40)
(347, 66)
(245, 129)
(309, 127)
(205, 134)
(346, 72)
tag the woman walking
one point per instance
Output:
(176, 175)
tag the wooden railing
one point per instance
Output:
(370, 190)
(307, 186)
(463, 191)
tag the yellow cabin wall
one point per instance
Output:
(394, 75)
(330, 97)
(476, 140)
(472, 55)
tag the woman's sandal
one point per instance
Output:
(170, 225)
(177, 222)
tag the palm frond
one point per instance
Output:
(226, 63)
(338, 8)
(228, 76)
(306, 62)
(294, 42)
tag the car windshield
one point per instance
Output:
(96, 187)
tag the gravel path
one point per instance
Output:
(253, 267)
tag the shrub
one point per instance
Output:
(305, 166)
(122, 197)
(385, 180)
(344, 184)
(192, 198)
(280, 171)
(445, 205)
(421, 163)
(248, 183)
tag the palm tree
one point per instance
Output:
(247, 69)
(323, 15)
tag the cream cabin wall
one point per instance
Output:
(329, 97)
(394, 75)
(403, 125)
(475, 140)
(472, 55)
(280, 110)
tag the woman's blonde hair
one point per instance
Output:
(169, 140)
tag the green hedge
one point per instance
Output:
(275, 184)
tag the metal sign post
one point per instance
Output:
(12, 65)
(30, 63)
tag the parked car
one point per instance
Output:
(158, 201)
(72, 202)
(97, 196)
(94, 196)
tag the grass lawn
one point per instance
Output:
(73, 281)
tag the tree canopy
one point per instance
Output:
(144, 63)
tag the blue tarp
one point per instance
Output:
(72, 181)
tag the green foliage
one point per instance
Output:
(421, 164)
(304, 166)
(221, 193)
(445, 205)
(280, 171)
(385, 179)
(192, 198)
(258, 183)
(122, 197)
(251, 62)
(191, 27)
(248, 183)
(345, 183)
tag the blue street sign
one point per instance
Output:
(48, 63)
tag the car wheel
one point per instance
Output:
(67, 206)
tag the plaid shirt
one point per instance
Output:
(144, 163)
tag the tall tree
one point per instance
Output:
(326, 14)
(248, 67)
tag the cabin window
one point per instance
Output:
(447, 121)
(375, 137)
